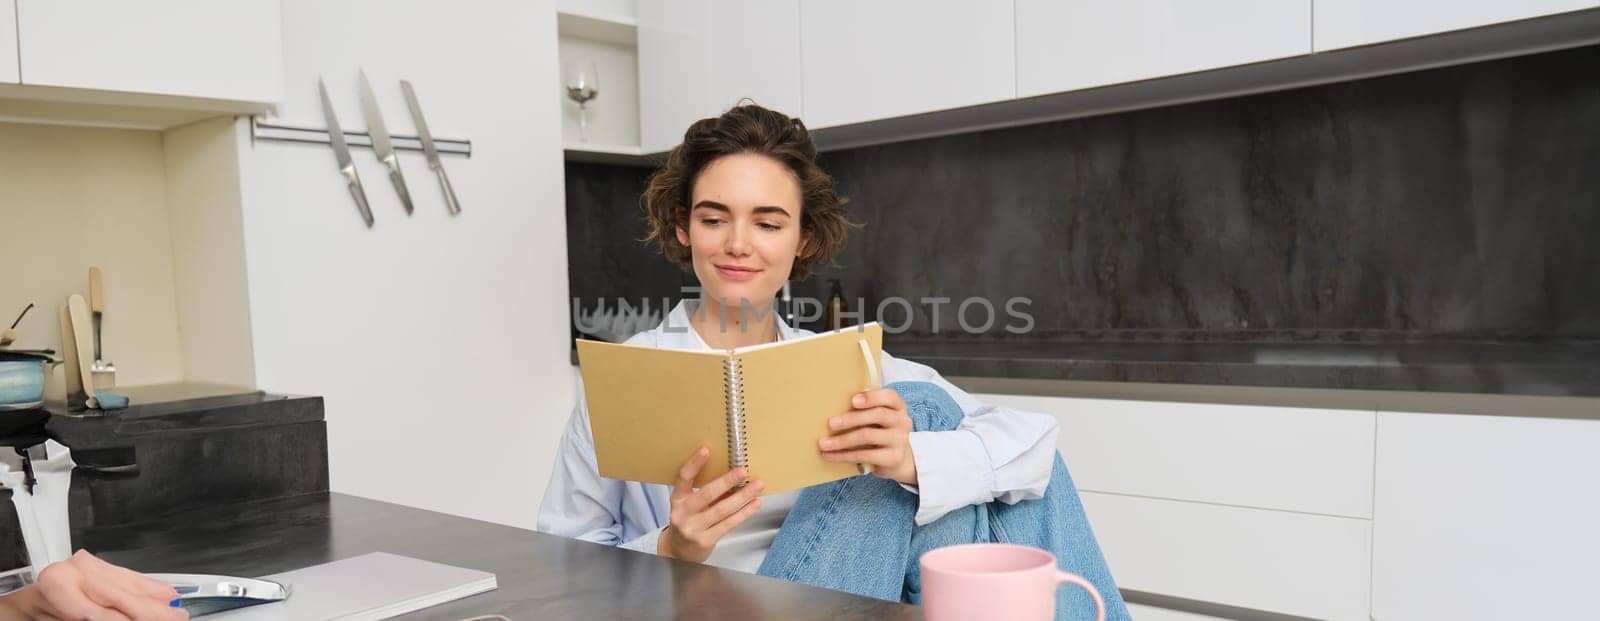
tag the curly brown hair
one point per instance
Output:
(747, 128)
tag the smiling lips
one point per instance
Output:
(737, 273)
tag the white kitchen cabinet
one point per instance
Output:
(864, 61)
(188, 48)
(1065, 45)
(1277, 561)
(1485, 517)
(1348, 23)
(697, 58)
(672, 76)
(1152, 613)
(1291, 459)
(8, 42)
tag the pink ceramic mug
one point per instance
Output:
(995, 581)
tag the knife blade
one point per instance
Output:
(341, 150)
(429, 149)
(381, 144)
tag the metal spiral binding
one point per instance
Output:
(733, 395)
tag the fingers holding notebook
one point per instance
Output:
(700, 517)
(876, 433)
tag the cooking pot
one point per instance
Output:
(22, 380)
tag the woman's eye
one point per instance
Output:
(711, 221)
(769, 226)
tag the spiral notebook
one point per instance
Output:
(762, 407)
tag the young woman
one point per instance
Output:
(744, 205)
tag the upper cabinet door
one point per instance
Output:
(229, 50)
(672, 79)
(754, 52)
(697, 58)
(886, 58)
(1065, 45)
(8, 42)
(1347, 23)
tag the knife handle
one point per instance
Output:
(450, 201)
(361, 202)
(399, 182)
(97, 305)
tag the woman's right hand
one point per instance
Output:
(85, 587)
(700, 517)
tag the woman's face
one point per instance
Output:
(744, 229)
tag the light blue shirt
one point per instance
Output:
(997, 453)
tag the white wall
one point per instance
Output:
(439, 343)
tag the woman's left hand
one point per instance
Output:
(876, 433)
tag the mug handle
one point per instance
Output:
(1078, 581)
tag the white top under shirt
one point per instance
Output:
(997, 453)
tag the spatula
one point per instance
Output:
(69, 352)
(81, 347)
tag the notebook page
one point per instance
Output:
(791, 389)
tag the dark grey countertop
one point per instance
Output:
(103, 435)
(540, 576)
(177, 447)
(193, 404)
(1567, 370)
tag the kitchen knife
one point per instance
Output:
(341, 150)
(428, 149)
(381, 144)
(97, 306)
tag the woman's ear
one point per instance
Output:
(805, 244)
(683, 236)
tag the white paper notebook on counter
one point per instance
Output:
(371, 586)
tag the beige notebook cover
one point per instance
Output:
(763, 407)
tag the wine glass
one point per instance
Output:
(582, 80)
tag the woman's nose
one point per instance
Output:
(738, 242)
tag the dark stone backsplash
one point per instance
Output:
(606, 257)
(1449, 204)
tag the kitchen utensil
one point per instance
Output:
(381, 144)
(78, 313)
(583, 85)
(9, 336)
(616, 326)
(104, 373)
(341, 151)
(71, 368)
(22, 380)
(428, 148)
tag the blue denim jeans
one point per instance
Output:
(858, 535)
